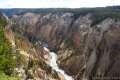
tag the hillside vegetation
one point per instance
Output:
(7, 56)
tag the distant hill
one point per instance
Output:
(13, 11)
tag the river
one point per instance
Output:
(54, 65)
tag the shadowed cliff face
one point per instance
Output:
(84, 50)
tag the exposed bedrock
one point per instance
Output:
(84, 50)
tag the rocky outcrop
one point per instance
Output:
(32, 60)
(85, 51)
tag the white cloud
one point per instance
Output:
(56, 3)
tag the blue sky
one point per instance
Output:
(56, 3)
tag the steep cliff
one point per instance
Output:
(32, 59)
(87, 46)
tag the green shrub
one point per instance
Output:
(7, 56)
(3, 76)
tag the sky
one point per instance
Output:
(56, 3)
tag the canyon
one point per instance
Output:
(81, 47)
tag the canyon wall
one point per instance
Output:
(86, 49)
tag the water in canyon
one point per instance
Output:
(54, 65)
